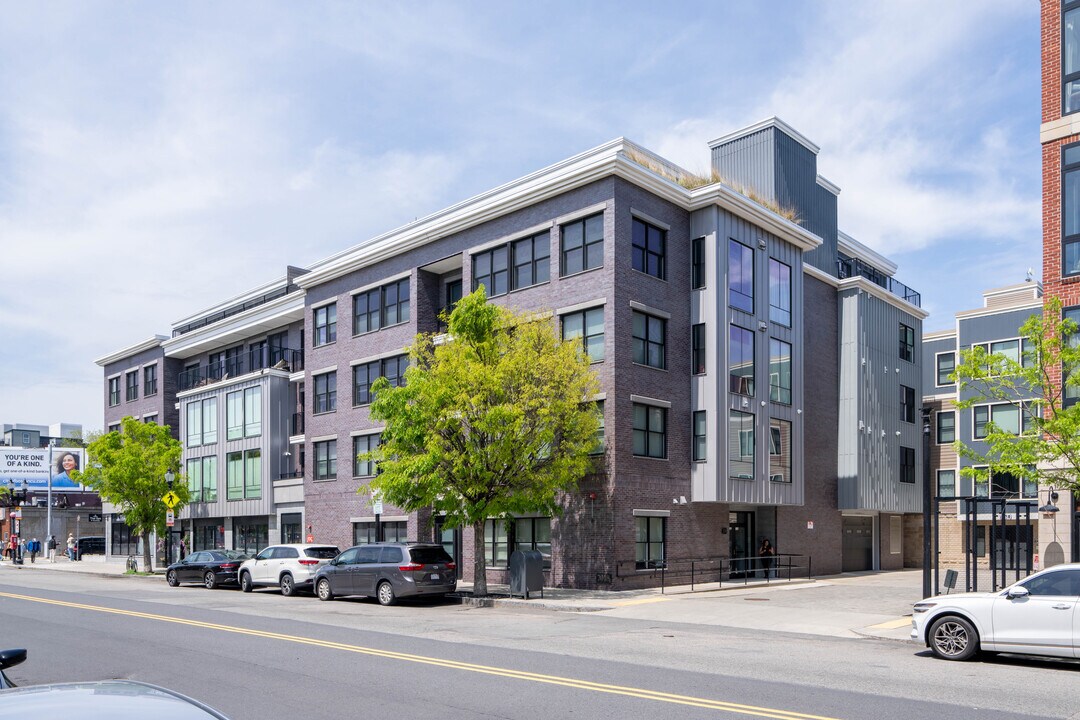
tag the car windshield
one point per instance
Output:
(429, 555)
(323, 553)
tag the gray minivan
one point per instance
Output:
(388, 571)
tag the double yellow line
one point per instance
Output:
(673, 698)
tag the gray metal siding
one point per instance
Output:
(931, 349)
(750, 161)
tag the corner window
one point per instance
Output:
(325, 392)
(907, 343)
(779, 293)
(325, 325)
(699, 443)
(649, 533)
(582, 245)
(588, 326)
(648, 244)
(946, 483)
(364, 444)
(740, 445)
(779, 371)
(697, 266)
(779, 451)
(326, 460)
(650, 431)
(740, 360)
(649, 340)
(907, 465)
(740, 276)
(946, 366)
(946, 428)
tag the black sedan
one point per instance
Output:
(208, 567)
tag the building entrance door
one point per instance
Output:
(741, 543)
(857, 548)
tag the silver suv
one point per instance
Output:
(289, 567)
(388, 571)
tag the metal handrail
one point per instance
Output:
(715, 571)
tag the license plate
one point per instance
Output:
(435, 576)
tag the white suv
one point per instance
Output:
(289, 567)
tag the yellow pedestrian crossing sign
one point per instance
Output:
(171, 499)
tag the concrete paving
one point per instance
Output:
(869, 604)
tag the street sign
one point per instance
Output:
(95, 517)
(378, 507)
(170, 518)
(171, 499)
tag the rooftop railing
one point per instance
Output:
(853, 267)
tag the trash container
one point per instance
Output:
(526, 573)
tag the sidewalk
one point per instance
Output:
(868, 604)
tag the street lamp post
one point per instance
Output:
(170, 478)
(48, 510)
(928, 501)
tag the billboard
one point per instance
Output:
(37, 466)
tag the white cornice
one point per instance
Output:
(939, 335)
(601, 162)
(984, 312)
(830, 186)
(232, 302)
(762, 125)
(881, 293)
(239, 327)
(850, 246)
(143, 346)
(820, 274)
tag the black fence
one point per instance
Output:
(713, 572)
(987, 545)
(240, 364)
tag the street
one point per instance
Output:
(263, 655)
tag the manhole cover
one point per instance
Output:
(757, 599)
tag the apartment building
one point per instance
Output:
(1060, 138)
(758, 369)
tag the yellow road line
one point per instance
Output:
(890, 624)
(451, 664)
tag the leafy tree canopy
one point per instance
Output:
(491, 422)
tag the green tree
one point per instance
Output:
(127, 468)
(490, 423)
(1044, 440)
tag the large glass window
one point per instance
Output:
(364, 444)
(243, 413)
(1070, 206)
(648, 244)
(650, 431)
(588, 325)
(907, 343)
(124, 540)
(326, 460)
(649, 535)
(697, 268)
(381, 307)
(700, 436)
(1006, 417)
(649, 340)
(325, 392)
(740, 276)
(946, 428)
(252, 474)
(393, 369)
(741, 445)
(234, 475)
(325, 325)
(1071, 391)
(1070, 60)
(740, 360)
(907, 404)
(250, 537)
(697, 349)
(582, 244)
(496, 543)
(202, 479)
(779, 371)
(779, 450)
(907, 464)
(533, 533)
(946, 366)
(201, 422)
(194, 478)
(779, 293)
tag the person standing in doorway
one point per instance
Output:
(767, 554)
(50, 548)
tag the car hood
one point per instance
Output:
(965, 596)
(114, 699)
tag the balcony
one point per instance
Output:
(234, 310)
(258, 358)
(853, 267)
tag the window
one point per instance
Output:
(946, 428)
(114, 391)
(1064, 584)
(998, 484)
(492, 270)
(532, 261)
(697, 349)
(648, 244)
(243, 413)
(132, 386)
(258, 358)
(381, 307)
(779, 371)
(364, 534)
(1006, 417)
(194, 479)
(697, 260)
(589, 326)
(1071, 393)
(582, 245)
(1070, 60)
(234, 361)
(202, 422)
(252, 474)
(699, 435)
(946, 366)
(326, 460)
(112, 428)
(741, 445)
(250, 537)
(1070, 206)
(325, 392)
(907, 464)
(150, 380)
(599, 447)
(496, 543)
(150, 419)
(946, 483)
(325, 325)
(202, 479)
(740, 360)
(279, 345)
(740, 276)
(779, 293)
(393, 369)
(649, 340)
(907, 343)
(124, 541)
(649, 535)
(243, 475)
(650, 431)
(533, 534)
(907, 404)
(779, 450)
(364, 444)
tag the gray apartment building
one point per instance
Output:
(758, 369)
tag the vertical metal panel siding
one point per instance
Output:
(750, 161)
(820, 219)
(850, 435)
(929, 362)
(707, 388)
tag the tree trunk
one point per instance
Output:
(479, 567)
(146, 554)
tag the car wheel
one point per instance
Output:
(210, 580)
(322, 589)
(171, 578)
(953, 638)
(385, 593)
(286, 585)
(245, 582)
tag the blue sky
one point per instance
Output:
(157, 158)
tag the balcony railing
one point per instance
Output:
(234, 310)
(234, 366)
(853, 267)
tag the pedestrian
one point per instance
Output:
(13, 545)
(34, 547)
(183, 549)
(767, 553)
(22, 550)
(71, 547)
(50, 548)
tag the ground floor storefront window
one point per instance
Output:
(208, 535)
(124, 541)
(292, 528)
(250, 535)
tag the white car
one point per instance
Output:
(1039, 615)
(289, 567)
